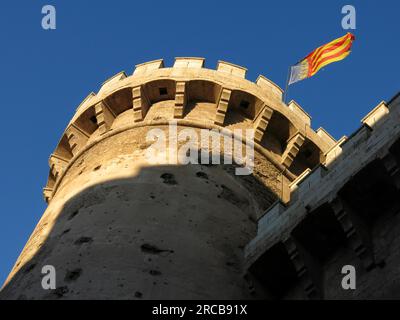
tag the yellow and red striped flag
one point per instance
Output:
(333, 51)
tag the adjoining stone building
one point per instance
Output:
(117, 227)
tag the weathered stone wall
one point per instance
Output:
(344, 212)
(118, 227)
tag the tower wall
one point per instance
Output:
(119, 227)
(345, 212)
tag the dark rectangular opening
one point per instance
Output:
(244, 104)
(93, 119)
(163, 91)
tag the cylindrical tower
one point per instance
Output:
(119, 227)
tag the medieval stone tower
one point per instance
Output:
(117, 227)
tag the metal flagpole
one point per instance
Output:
(287, 85)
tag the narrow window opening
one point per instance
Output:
(93, 119)
(163, 91)
(244, 104)
(307, 153)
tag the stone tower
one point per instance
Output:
(117, 227)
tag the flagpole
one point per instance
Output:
(287, 86)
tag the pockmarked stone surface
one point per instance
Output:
(120, 227)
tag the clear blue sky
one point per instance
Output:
(46, 74)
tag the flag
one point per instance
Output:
(333, 51)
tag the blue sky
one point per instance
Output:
(46, 74)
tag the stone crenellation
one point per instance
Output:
(187, 82)
(352, 190)
(126, 228)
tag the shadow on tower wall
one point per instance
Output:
(170, 232)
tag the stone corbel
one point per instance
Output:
(140, 103)
(105, 117)
(222, 106)
(180, 99)
(76, 137)
(292, 149)
(307, 268)
(356, 231)
(262, 124)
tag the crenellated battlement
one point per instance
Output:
(199, 97)
(362, 170)
(310, 205)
